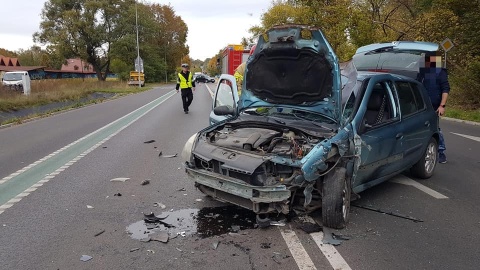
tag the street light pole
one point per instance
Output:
(138, 47)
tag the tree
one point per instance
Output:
(84, 28)
(36, 56)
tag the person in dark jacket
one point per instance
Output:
(186, 84)
(435, 80)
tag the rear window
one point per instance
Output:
(405, 63)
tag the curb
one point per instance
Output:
(461, 121)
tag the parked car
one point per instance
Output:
(204, 78)
(305, 134)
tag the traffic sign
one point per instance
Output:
(447, 44)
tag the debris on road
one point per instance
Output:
(161, 205)
(151, 251)
(85, 258)
(99, 233)
(277, 256)
(215, 245)
(160, 237)
(329, 237)
(145, 240)
(134, 249)
(182, 189)
(117, 194)
(280, 223)
(235, 228)
(151, 218)
(89, 207)
(387, 213)
(145, 182)
(104, 147)
(179, 249)
(150, 141)
(120, 179)
(170, 156)
(198, 200)
(265, 245)
(183, 234)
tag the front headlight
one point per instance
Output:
(187, 149)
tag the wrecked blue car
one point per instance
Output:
(305, 134)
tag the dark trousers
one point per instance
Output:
(187, 98)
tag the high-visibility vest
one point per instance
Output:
(239, 73)
(183, 82)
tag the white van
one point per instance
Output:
(13, 79)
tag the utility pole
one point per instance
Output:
(138, 47)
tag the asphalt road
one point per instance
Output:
(61, 204)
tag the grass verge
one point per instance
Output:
(459, 113)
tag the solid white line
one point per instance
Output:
(467, 136)
(9, 177)
(298, 251)
(410, 182)
(333, 256)
(209, 90)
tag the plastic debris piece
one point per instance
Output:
(170, 156)
(280, 223)
(235, 228)
(160, 237)
(198, 200)
(265, 245)
(150, 141)
(120, 179)
(145, 182)
(183, 234)
(145, 240)
(328, 237)
(104, 147)
(89, 207)
(117, 194)
(134, 249)
(151, 251)
(100, 232)
(215, 245)
(179, 249)
(85, 258)
(160, 154)
(182, 189)
(161, 205)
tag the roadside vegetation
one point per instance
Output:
(50, 91)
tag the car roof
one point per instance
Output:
(401, 45)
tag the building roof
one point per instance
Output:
(9, 61)
(20, 68)
(77, 65)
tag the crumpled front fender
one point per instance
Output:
(315, 163)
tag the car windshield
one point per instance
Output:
(12, 77)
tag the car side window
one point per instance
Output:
(418, 97)
(349, 106)
(225, 94)
(410, 102)
(380, 106)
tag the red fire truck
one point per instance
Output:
(232, 57)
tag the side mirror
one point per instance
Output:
(223, 110)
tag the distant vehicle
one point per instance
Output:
(204, 78)
(13, 79)
(134, 78)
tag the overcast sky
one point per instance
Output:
(212, 24)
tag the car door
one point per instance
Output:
(225, 95)
(381, 137)
(416, 121)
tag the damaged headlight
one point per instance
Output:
(187, 149)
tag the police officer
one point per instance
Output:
(186, 85)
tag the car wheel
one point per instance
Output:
(425, 167)
(336, 199)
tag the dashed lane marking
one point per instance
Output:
(299, 253)
(467, 136)
(12, 191)
(333, 256)
(400, 179)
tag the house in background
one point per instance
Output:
(12, 64)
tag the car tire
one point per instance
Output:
(263, 221)
(425, 167)
(336, 192)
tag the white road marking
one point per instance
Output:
(209, 90)
(467, 136)
(9, 177)
(50, 176)
(333, 256)
(400, 179)
(298, 251)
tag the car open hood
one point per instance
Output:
(293, 65)
(399, 57)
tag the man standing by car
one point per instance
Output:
(435, 80)
(240, 71)
(186, 85)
